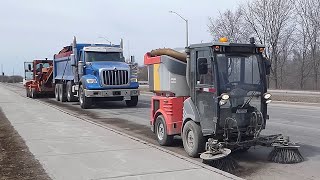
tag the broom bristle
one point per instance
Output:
(227, 164)
(285, 155)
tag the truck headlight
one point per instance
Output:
(134, 79)
(91, 81)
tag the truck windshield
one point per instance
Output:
(239, 71)
(103, 56)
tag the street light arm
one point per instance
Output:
(187, 31)
(178, 15)
(105, 39)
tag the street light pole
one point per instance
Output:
(187, 28)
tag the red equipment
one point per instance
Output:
(38, 75)
(171, 110)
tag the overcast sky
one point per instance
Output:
(33, 29)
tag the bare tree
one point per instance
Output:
(229, 24)
(270, 21)
(313, 14)
(308, 16)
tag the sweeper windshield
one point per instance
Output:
(240, 77)
(239, 72)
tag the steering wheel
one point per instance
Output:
(231, 84)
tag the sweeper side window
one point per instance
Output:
(208, 78)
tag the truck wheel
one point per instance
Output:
(33, 93)
(70, 94)
(27, 92)
(85, 102)
(161, 132)
(56, 92)
(62, 93)
(133, 102)
(193, 140)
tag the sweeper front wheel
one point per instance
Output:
(193, 140)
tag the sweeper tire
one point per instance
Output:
(161, 132)
(193, 140)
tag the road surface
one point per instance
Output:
(299, 121)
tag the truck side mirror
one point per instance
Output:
(72, 60)
(202, 65)
(267, 65)
(29, 67)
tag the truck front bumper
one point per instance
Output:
(126, 93)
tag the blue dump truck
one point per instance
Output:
(92, 72)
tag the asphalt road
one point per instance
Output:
(299, 121)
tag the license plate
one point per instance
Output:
(242, 111)
(116, 93)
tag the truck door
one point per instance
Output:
(28, 70)
(206, 92)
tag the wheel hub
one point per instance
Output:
(190, 139)
(81, 96)
(160, 131)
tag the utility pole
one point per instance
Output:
(13, 75)
(187, 28)
(2, 74)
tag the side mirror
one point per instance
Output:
(268, 66)
(202, 65)
(72, 60)
(29, 67)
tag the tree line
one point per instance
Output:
(11, 79)
(290, 30)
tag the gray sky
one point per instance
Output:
(40, 28)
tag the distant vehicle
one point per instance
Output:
(38, 78)
(89, 72)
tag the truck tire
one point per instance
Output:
(33, 94)
(56, 92)
(192, 138)
(161, 132)
(85, 102)
(70, 94)
(62, 93)
(27, 92)
(133, 102)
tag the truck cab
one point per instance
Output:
(91, 72)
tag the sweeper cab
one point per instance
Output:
(214, 95)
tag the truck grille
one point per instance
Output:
(115, 77)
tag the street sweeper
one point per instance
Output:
(215, 97)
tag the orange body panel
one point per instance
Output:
(42, 80)
(172, 110)
(148, 60)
